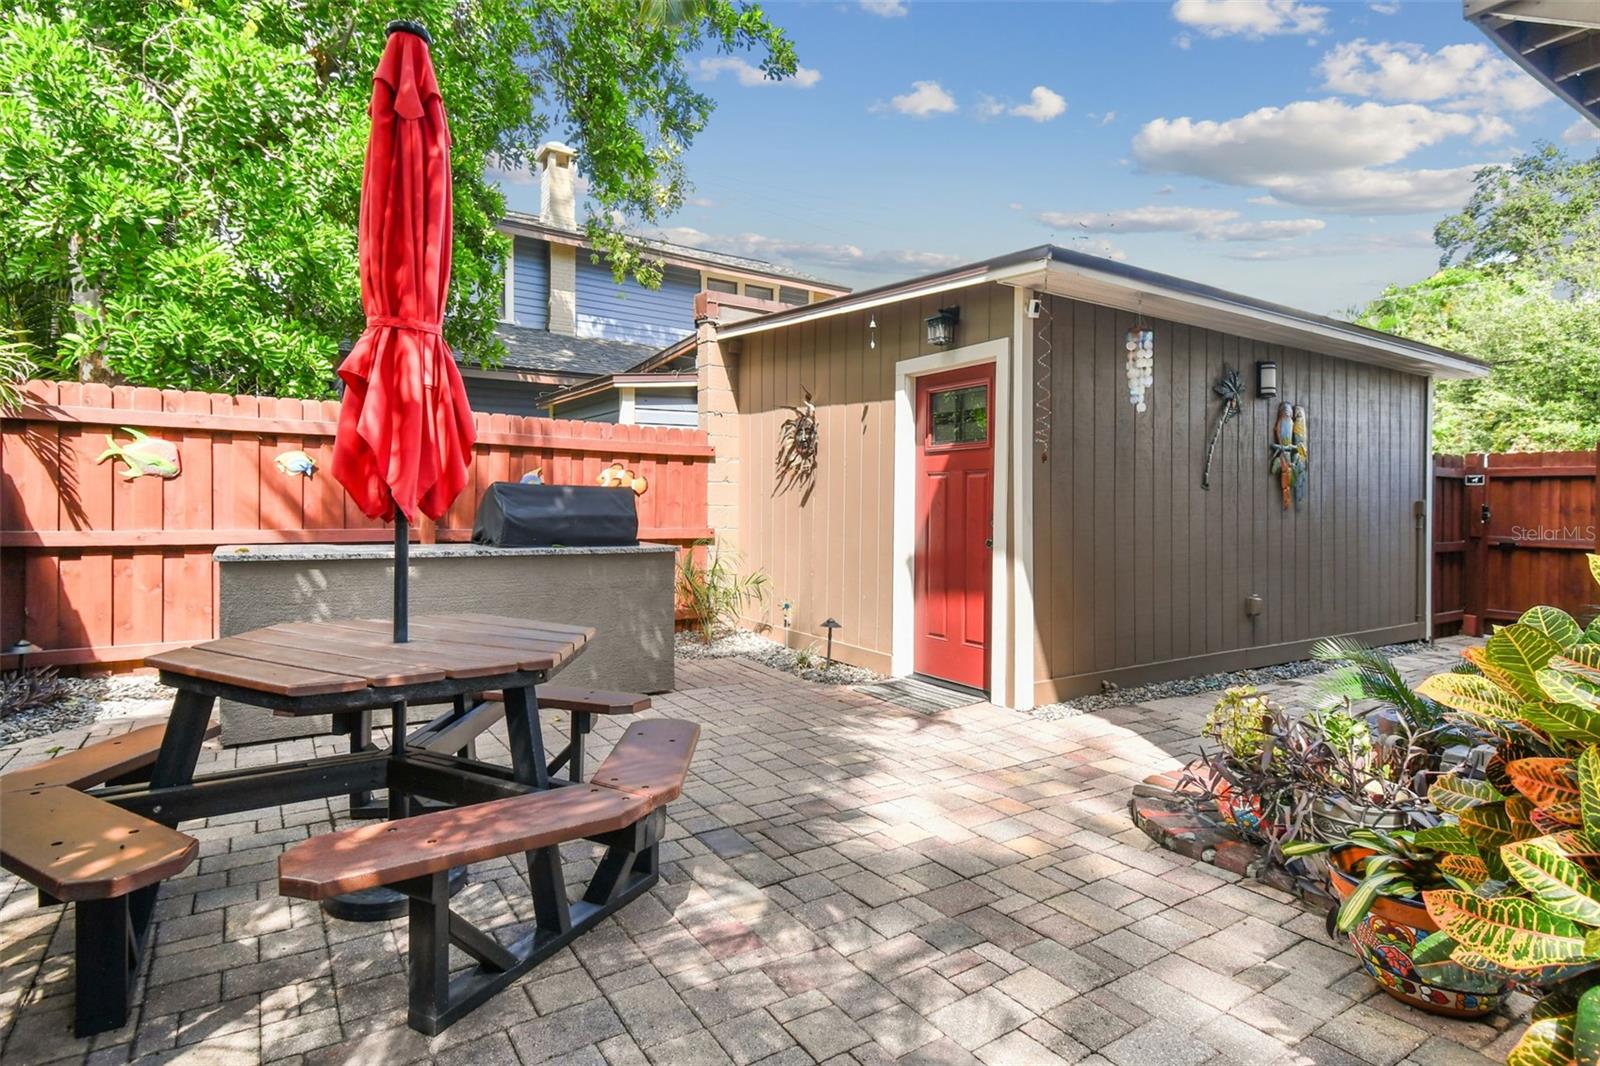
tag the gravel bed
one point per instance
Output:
(1189, 686)
(743, 644)
(89, 700)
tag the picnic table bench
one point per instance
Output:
(106, 849)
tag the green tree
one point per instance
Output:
(1518, 287)
(180, 179)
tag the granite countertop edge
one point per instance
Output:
(310, 553)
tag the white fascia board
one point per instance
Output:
(1065, 279)
(1015, 274)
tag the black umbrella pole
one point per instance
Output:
(402, 578)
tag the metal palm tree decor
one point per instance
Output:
(1231, 388)
(797, 444)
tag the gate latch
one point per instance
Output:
(1484, 514)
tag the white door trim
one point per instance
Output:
(1024, 632)
(901, 653)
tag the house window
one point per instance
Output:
(721, 285)
(961, 416)
(791, 296)
(758, 292)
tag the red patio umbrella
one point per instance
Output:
(405, 430)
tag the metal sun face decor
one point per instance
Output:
(1141, 365)
(797, 444)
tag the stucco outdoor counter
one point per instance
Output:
(625, 593)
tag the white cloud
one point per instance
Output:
(886, 9)
(700, 201)
(1250, 18)
(1321, 153)
(1378, 192)
(1386, 9)
(749, 74)
(1043, 105)
(502, 173)
(926, 98)
(1457, 76)
(1376, 244)
(848, 256)
(1203, 223)
(1098, 246)
(1581, 131)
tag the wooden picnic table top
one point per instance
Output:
(296, 659)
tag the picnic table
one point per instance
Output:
(115, 844)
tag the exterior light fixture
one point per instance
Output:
(830, 625)
(872, 331)
(942, 327)
(1266, 379)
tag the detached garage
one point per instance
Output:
(997, 476)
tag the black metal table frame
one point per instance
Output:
(111, 934)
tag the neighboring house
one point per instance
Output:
(1557, 41)
(992, 511)
(662, 390)
(565, 319)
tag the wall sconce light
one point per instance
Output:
(942, 327)
(1266, 379)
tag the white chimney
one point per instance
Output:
(557, 203)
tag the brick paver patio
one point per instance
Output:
(845, 882)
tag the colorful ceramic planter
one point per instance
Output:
(1385, 938)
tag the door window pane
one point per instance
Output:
(961, 416)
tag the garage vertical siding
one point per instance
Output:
(826, 546)
(530, 283)
(1140, 573)
(631, 312)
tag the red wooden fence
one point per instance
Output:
(98, 569)
(1511, 531)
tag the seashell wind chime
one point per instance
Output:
(1141, 347)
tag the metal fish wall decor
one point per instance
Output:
(143, 455)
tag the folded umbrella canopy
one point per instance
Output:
(405, 430)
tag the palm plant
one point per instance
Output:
(1363, 673)
(714, 591)
(16, 366)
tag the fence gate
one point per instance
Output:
(1511, 530)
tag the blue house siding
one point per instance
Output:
(631, 312)
(531, 283)
(652, 408)
(603, 408)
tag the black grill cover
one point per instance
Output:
(513, 515)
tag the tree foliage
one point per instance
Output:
(180, 179)
(1518, 287)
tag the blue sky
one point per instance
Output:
(1295, 151)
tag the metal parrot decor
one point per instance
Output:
(143, 455)
(1231, 388)
(797, 444)
(1302, 456)
(1290, 457)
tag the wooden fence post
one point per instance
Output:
(1475, 525)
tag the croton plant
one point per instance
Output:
(1526, 838)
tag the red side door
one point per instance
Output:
(955, 524)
